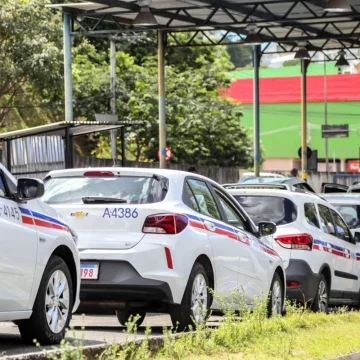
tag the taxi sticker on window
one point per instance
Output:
(120, 213)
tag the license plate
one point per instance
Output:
(89, 271)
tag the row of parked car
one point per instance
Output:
(134, 241)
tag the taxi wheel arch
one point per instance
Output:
(206, 263)
(65, 253)
(37, 326)
(280, 271)
(325, 270)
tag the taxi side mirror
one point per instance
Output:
(266, 228)
(29, 189)
(357, 237)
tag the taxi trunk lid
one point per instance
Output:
(106, 226)
(107, 209)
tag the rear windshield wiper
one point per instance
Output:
(102, 200)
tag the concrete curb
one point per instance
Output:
(353, 356)
(92, 351)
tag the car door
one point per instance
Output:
(336, 251)
(18, 250)
(250, 258)
(348, 272)
(221, 237)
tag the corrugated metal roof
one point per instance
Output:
(278, 20)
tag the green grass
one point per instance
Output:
(298, 335)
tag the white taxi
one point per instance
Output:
(320, 254)
(156, 240)
(39, 262)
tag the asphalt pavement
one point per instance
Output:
(93, 330)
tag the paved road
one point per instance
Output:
(98, 330)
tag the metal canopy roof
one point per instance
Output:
(278, 21)
(75, 128)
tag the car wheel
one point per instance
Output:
(276, 297)
(53, 306)
(321, 298)
(194, 308)
(124, 316)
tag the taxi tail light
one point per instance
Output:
(98, 173)
(292, 284)
(165, 224)
(295, 242)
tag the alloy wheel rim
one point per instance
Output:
(199, 298)
(322, 296)
(57, 301)
(276, 298)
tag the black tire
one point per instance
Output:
(124, 316)
(276, 297)
(37, 326)
(182, 315)
(321, 302)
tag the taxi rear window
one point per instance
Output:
(130, 189)
(276, 209)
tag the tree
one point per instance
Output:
(202, 127)
(31, 60)
(240, 55)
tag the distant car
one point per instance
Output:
(155, 240)
(39, 262)
(320, 254)
(286, 181)
(329, 188)
(348, 205)
(251, 175)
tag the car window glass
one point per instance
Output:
(11, 186)
(310, 215)
(350, 213)
(204, 198)
(3, 191)
(342, 230)
(192, 201)
(232, 217)
(276, 209)
(326, 221)
(133, 189)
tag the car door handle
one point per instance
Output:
(209, 225)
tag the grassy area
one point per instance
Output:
(298, 335)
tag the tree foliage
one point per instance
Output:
(31, 59)
(202, 127)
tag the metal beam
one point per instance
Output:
(113, 133)
(162, 110)
(67, 68)
(264, 15)
(256, 82)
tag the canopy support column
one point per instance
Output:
(304, 65)
(67, 67)
(8, 154)
(113, 133)
(161, 87)
(256, 65)
(123, 157)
